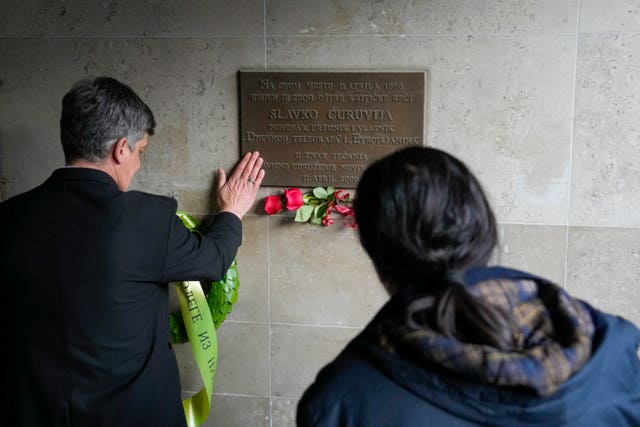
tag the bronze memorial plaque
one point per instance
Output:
(324, 128)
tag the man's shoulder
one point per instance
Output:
(145, 212)
(18, 199)
(144, 200)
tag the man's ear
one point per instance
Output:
(120, 150)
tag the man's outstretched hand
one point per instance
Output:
(238, 193)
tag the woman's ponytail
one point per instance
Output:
(456, 313)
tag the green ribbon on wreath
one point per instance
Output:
(204, 343)
(201, 312)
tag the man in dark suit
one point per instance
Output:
(85, 267)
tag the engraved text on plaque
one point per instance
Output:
(324, 128)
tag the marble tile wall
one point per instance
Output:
(539, 97)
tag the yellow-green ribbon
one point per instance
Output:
(204, 343)
(202, 337)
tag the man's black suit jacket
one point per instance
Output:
(84, 268)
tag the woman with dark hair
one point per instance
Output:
(460, 343)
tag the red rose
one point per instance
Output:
(293, 198)
(327, 220)
(344, 210)
(272, 205)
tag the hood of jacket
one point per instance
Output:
(610, 378)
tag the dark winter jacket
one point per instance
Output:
(368, 386)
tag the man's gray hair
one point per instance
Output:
(96, 113)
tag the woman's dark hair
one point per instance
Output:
(96, 113)
(424, 219)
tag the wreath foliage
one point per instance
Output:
(221, 295)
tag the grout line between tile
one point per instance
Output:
(585, 225)
(623, 227)
(241, 395)
(130, 37)
(435, 35)
(255, 396)
(536, 224)
(571, 136)
(552, 224)
(251, 322)
(315, 326)
(269, 319)
(264, 36)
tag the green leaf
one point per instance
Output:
(304, 213)
(320, 193)
(316, 217)
(177, 331)
(330, 190)
(223, 294)
(320, 210)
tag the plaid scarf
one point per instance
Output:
(552, 335)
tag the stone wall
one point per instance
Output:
(540, 98)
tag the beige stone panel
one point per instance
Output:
(603, 266)
(501, 104)
(299, 352)
(253, 269)
(154, 18)
(309, 17)
(606, 149)
(190, 379)
(239, 411)
(243, 366)
(319, 275)
(609, 15)
(243, 361)
(537, 249)
(283, 412)
(31, 88)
